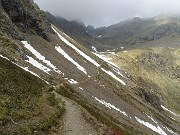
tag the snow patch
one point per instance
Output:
(114, 67)
(87, 57)
(25, 68)
(170, 131)
(101, 56)
(99, 36)
(157, 129)
(72, 81)
(81, 88)
(40, 57)
(5, 58)
(38, 65)
(76, 49)
(117, 70)
(169, 110)
(110, 106)
(113, 76)
(61, 51)
(94, 48)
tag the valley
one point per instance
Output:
(54, 81)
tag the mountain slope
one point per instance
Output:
(25, 104)
(78, 31)
(117, 100)
(139, 32)
(23, 16)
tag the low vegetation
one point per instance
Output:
(113, 125)
(155, 70)
(25, 104)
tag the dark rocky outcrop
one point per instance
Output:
(23, 16)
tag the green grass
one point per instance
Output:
(156, 71)
(24, 100)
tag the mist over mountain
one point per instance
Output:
(105, 12)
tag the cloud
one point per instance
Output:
(107, 12)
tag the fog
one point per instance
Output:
(107, 12)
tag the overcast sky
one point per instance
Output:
(107, 12)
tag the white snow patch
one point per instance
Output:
(94, 48)
(115, 67)
(170, 131)
(99, 36)
(87, 57)
(113, 76)
(81, 88)
(169, 110)
(72, 81)
(5, 57)
(76, 49)
(117, 70)
(157, 129)
(110, 106)
(38, 65)
(40, 57)
(103, 57)
(25, 68)
(61, 51)
(172, 118)
(152, 119)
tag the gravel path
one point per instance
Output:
(73, 121)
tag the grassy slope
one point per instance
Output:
(24, 103)
(167, 86)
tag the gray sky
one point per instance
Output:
(107, 12)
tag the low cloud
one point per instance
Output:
(107, 12)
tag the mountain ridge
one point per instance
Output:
(120, 92)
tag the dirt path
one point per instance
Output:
(73, 121)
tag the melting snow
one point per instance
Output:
(94, 48)
(87, 57)
(25, 68)
(5, 57)
(76, 49)
(170, 131)
(108, 61)
(114, 76)
(61, 51)
(110, 106)
(157, 129)
(102, 57)
(169, 110)
(117, 70)
(40, 57)
(38, 65)
(72, 81)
